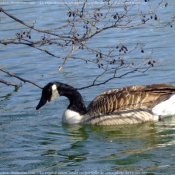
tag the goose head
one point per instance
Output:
(49, 93)
(56, 89)
(76, 109)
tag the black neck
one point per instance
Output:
(75, 98)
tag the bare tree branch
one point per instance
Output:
(82, 24)
(114, 77)
(10, 84)
(22, 79)
(27, 25)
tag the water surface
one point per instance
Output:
(38, 141)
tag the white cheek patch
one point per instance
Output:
(55, 92)
(54, 87)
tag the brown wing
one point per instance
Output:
(132, 97)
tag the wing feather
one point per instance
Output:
(131, 97)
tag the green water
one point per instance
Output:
(43, 144)
(37, 142)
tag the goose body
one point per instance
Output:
(128, 105)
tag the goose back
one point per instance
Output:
(132, 104)
(131, 97)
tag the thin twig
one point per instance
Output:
(114, 77)
(30, 26)
(10, 84)
(22, 79)
(67, 57)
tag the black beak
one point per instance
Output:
(42, 102)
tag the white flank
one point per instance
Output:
(71, 117)
(165, 108)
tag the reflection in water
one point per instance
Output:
(76, 132)
(134, 145)
(8, 95)
(4, 100)
(127, 131)
(47, 146)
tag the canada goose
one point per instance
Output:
(132, 104)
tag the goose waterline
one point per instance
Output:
(128, 105)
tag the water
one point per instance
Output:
(38, 142)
